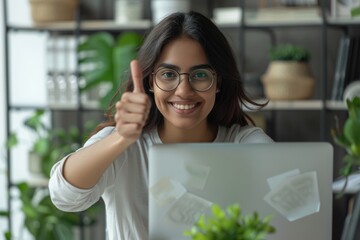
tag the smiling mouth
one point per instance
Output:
(184, 106)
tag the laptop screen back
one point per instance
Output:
(289, 181)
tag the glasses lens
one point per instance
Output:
(167, 79)
(201, 79)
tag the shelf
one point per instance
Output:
(273, 17)
(87, 26)
(315, 22)
(343, 21)
(302, 105)
(335, 105)
(88, 106)
(294, 105)
(254, 23)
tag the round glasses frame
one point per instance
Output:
(213, 73)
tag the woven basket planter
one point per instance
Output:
(287, 80)
(43, 11)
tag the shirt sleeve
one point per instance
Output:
(69, 198)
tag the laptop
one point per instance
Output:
(291, 182)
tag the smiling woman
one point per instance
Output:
(184, 88)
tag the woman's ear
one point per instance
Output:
(218, 85)
(151, 84)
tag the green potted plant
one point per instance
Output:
(49, 144)
(348, 138)
(41, 218)
(230, 224)
(44, 221)
(288, 76)
(104, 59)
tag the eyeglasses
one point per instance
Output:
(200, 79)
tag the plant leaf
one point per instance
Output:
(12, 141)
(4, 213)
(34, 122)
(102, 59)
(352, 131)
(42, 146)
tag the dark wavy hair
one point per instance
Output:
(230, 101)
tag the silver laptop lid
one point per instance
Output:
(289, 181)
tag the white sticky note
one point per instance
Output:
(166, 191)
(296, 197)
(188, 209)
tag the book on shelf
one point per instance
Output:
(347, 65)
(355, 69)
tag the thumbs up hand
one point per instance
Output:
(133, 108)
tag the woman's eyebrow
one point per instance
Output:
(206, 66)
(171, 66)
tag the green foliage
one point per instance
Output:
(289, 52)
(349, 138)
(230, 224)
(42, 219)
(8, 235)
(355, 11)
(105, 59)
(50, 144)
(6, 214)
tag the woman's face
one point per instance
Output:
(183, 107)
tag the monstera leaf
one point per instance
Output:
(104, 59)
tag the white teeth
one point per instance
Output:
(184, 106)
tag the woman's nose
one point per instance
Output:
(184, 87)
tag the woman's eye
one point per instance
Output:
(200, 75)
(168, 75)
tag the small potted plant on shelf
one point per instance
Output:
(104, 60)
(349, 138)
(230, 224)
(288, 76)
